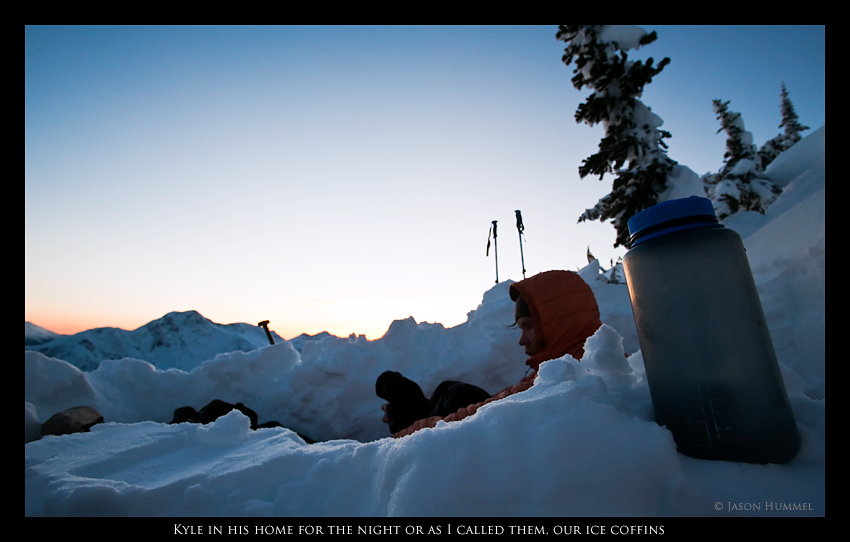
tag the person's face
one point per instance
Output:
(527, 339)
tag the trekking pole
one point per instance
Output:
(495, 248)
(520, 228)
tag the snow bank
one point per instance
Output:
(326, 392)
(581, 441)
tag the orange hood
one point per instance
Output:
(563, 311)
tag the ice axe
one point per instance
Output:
(265, 325)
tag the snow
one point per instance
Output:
(37, 335)
(806, 157)
(580, 442)
(179, 340)
(682, 183)
(626, 36)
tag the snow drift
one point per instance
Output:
(581, 441)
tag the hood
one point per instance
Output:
(563, 311)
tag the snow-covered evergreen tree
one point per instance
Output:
(790, 120)
(739, 143)
(770, 150)
(740, 185)
(633, 147)
(787, 139)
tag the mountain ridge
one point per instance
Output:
(178, 340)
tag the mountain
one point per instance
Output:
(179, 340)
(35, 335)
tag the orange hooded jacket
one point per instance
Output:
(564, 314)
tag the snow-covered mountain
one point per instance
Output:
(35, 335)
(179, 340)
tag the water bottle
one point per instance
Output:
(712, 371)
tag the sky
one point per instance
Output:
(340, 178)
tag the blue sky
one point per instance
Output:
(338, 178)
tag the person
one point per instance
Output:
(555, 312)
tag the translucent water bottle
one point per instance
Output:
(710, 362)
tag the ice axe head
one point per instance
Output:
(265, 325)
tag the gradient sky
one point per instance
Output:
(339, 178)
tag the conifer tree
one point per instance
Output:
(739, 143)
(786, 140)
(790, 120)
(633, 147)
(740, 185)
(770, 150)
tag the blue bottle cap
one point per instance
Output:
(672, 216)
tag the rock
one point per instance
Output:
(74, 420)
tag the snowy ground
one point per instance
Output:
(581, 442)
